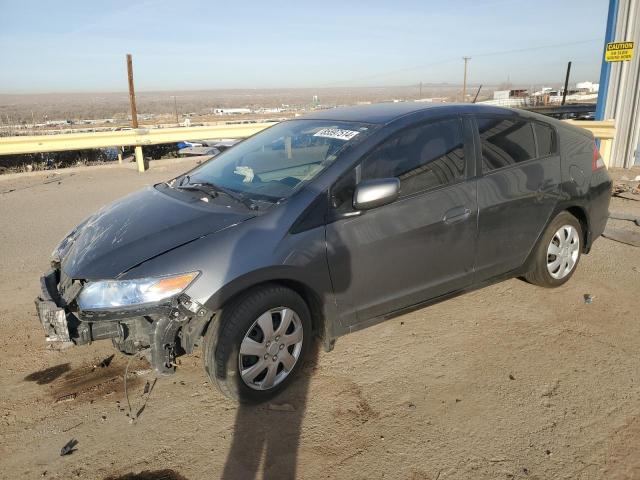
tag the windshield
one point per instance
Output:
(274, 163)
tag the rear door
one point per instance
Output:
(416, 248)
(517, 190)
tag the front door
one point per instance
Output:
(416, 248)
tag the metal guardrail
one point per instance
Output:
(123, 138)
(604, 130)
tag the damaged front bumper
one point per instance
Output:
(54, 319)
(161, 331)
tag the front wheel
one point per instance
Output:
(558, 252)
(257, 343)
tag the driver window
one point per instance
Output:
(423, 157)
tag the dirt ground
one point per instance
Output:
(512, 381)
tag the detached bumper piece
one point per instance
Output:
(52, 316)
(54, 321)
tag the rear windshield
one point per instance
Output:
(274, 163)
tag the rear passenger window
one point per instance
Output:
(422, 157)
(505, 142)
(546, 139)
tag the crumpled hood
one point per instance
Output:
(138, 227)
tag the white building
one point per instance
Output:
(231, 111)
(589, 87)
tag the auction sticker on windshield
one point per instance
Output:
(337, 133)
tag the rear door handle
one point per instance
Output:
(456, 214)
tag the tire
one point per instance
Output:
(566, 235)
(244, 323)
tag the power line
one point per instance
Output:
(541, 47)
(453, 60)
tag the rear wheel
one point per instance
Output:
(257, 344)
(558, 252)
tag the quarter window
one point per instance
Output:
(546, 139)
(505, 142)
(422, 157)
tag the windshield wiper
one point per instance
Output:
(197, 187)
(214, 190)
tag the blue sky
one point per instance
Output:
(70, 46)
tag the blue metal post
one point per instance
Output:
(605, 69)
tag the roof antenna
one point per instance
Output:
(477, 93)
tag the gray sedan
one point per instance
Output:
(323, 225)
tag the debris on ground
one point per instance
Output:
(623, 236)
(69, 447)
(66, 398)
(625, 216)
(588, 298)
(627, 189)
(628, 196)
(106, 362)
(72, 427)
(148, 388)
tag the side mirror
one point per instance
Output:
(375, 193)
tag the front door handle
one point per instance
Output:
(456, 214)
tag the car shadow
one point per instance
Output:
(268, 435)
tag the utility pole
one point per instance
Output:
(420, 89)
(566, 83)
(134, 113)
(175, 108)
(464, 81)
(132, 93)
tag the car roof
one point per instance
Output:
(383, 113)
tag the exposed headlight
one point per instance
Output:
(122, 293)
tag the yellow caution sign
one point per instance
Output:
(619, 52)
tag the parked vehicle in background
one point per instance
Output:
(205, 147)
(323, 225)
